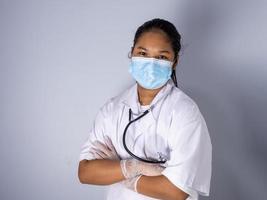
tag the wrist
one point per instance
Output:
(136, 183)
(123, 168)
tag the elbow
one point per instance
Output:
(182, 195)
(83, 177)
(175, 195)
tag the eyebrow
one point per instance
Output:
(162, 51)
(142, 48)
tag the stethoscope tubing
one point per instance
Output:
(124, 139)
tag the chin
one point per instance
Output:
(150, 89)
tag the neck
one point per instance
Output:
(146, 96)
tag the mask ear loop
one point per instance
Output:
(173, 75)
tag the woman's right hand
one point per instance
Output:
(104, 150)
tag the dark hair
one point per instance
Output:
(169, 29)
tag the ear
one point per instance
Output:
(129, 54)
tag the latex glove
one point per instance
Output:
(132, 167)
(131, 183)
(104, 151)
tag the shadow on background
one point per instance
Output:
(226, 76)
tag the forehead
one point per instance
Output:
(154, 38)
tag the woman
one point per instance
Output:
(166, 154)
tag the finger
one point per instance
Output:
(93, 152)
(96, 156)
(101, 147)
(111, 147)
(103, 150)
(151, 170)
(99, 152)
(109, 144)
(108, 141)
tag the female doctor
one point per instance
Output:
(151, 141)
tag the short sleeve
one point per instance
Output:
(97, 132)
(189, 166)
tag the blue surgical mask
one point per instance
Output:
(150, 73)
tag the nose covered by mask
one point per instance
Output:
(150, 73)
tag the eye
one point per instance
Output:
(142, 53)
(162, 57)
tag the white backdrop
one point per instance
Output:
(61, 60)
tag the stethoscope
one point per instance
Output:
(124, 137)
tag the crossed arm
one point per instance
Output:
(96, 172)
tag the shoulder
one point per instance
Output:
(187, 122)
(184, 109)
(115, 103)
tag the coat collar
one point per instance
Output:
(131, 97)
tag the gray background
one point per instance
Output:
(61, 60)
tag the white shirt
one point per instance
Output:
(174, 129)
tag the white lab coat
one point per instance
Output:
(174, 129)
